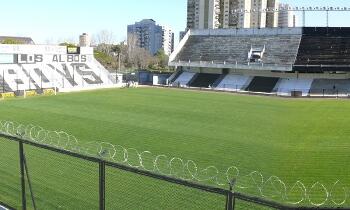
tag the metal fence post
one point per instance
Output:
(102, 186)
(29, 182)
(230, 202)
(23, 183)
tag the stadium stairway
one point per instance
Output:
(174, 76)
(204, 80)
(262, 84)
(219, 80)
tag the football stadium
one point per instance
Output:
(251, 118)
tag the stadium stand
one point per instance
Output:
(278, 60)
(4, 86)
(330, 86)
(262, 84)
(184, 79)
(285, 86)
(32, 67)
(235, 48)
(234, 82)
(324, 46)
(204, 80)
(174, 76)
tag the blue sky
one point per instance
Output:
(51, 21)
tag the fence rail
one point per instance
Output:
(104, 156)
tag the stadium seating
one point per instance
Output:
(286, 86)
(183, 79)
(324, 50)
(234, 82)
(330, 86)
(262, 84)
(235, 48)
(283, 61)
(204, 80)
(4, 87)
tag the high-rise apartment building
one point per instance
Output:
(258, 14)
(168, 40)
(272, 13)
(286, 18)
(191, 14)
(203, 14)
(234, 15)
(150, 36)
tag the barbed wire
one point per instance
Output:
(271, 187)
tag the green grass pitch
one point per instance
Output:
(294, 139)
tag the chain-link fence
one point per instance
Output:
(42, 169)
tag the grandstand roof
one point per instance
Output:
(24, 40)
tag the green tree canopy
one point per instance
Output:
(68, 44)
(162, 58)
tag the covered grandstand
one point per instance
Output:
(284, 61)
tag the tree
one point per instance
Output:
(143, 58)
(116, 49)
(104, 40)
(11, 41)
(162, 58)
(105, 37)
(67, 44)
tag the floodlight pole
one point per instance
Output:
(304, 18)
(327, 18)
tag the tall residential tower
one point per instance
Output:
(202, 14)
(152, 37)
